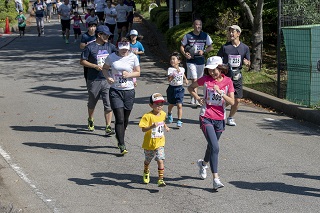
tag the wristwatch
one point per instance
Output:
(222, 93)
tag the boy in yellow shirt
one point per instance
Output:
(153, 124)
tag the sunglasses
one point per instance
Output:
(121, 43)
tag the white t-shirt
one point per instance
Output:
(122, 12)
(100, 4)
(118, 65)
(110, 11)
(178, 76)
(65, 11)
(92, 19)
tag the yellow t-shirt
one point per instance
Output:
(154, 138)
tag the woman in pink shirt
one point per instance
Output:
(218, 91)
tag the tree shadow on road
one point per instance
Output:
(74, 148)
(277, 187)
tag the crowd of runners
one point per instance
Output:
(112, 66)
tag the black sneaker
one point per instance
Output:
(123, 149)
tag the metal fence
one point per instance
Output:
(299, 51)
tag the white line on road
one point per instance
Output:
(24, 177)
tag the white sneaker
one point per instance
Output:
(202, 169)
(192, 102)
(217, 183)
(230, 122)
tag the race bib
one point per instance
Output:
(198, 46)
(76, 23)
(101, 57)
(177, 79)
(214, 98)
(158, 131)
(120, 81)
(234, 60)
(134, 49)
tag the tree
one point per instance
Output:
(257, 32)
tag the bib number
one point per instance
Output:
(235, 60)
(120, 81)
(214, 98)
(157, 132)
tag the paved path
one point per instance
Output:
(50, 163)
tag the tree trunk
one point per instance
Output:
(257, 38)
(158, 2)
(257, 33)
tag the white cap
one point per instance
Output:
(133, 32)
(123, 45)
(156, 98)
(213, 62)
(235, 27)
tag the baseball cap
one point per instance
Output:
(92, 23)
(103, 29)
(123, 45)
(133, 32)
(235, 27)
(156, 98)
(213, 62)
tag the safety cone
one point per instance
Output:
(7, 29)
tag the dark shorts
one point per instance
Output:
(218, 125)
(122, 24)
(22, 28)
(175, 94)
(100, 15)
(97, 89)
(122, 98)
(84, 4)
(238, 88)
(65, 24)
(77, 31)
(111, 27)
(73, 4)
(130, 18)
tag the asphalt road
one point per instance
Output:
(50, 163)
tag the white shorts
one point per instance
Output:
(195, 71)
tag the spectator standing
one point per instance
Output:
(235, 54)
(193, 46)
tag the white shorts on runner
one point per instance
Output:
(195, 71)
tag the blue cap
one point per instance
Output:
(103, 29)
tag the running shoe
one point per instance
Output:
(231, 122)
(90, 124)
(109, 131)
(67, 41)
(217, 184)
(202, 169)
(161, 183)
(146, 177)
(169, 119)
(179, 123)
(123, 149)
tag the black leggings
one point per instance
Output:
(121, 122)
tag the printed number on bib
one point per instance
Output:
(101, 57)
(177, 80)
(157, 132)
(120, 81)
(214, 98)
(198, 46)
(235, 60)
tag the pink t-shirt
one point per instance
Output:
(76, 21)
(214, 106)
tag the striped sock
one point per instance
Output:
(146, 168)
(160, 173)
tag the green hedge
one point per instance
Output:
(155, 12)
(162, 21)
(9, 10)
